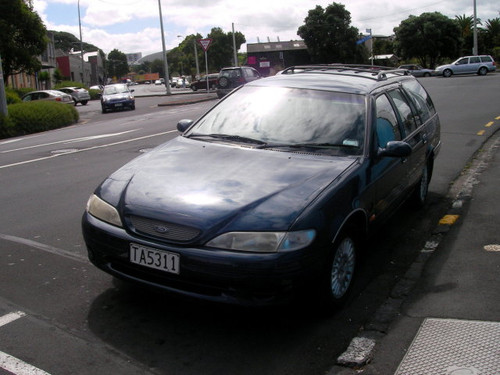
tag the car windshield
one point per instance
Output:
(287, 117)
(117, 89)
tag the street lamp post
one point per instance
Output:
(81, 42)
(167, 78)
(474, 48)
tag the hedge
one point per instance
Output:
(37, 116)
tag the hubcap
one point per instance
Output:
(343, 268)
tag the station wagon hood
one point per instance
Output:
(210, 185)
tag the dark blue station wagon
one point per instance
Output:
(270, 193)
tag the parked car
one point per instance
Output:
(117, 96)
(79, 94)
(54, 95)
(468, 65)
(232, 77)
(201, 84)
(272, 192)
(417, 70)
(158, 82)
(173, 81)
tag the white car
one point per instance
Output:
(158, 82)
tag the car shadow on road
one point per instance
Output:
(176, 335)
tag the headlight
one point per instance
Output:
(263, 242)
(103, 211)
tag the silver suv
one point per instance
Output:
(467, 65)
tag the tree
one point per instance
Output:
(221, 51)
(492, 36)
(430, 38)
(329, 36)
(66, 42)
(116, 64)
(22, 38)
(466, 25)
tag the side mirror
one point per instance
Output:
(184, 125)
(398, 149)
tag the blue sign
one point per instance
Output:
(362, 40)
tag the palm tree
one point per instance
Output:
(466, 24)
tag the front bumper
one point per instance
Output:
(209, 274)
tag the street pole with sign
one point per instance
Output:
(205, 44)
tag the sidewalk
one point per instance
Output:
(447, 321)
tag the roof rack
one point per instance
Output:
(378, 73)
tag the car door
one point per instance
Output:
(474, 64)
(387, 175)
(413, 134)
(461, 66)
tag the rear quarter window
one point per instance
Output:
(486, 59)
(421, 99)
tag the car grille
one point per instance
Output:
(164, 230)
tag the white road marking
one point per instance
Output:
(67, 141)
(46, 248)
(6, 319)
(83, 150)
(18, 367)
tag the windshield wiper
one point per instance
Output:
(229, 137)
(306, 145)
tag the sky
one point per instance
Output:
(133, 26)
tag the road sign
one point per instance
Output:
(205, 43)
(362, 40)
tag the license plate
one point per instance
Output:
(118, 104)
(153, 258)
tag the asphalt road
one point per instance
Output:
(72, 318)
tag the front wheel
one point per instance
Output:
(447, 73)
(84, 102)
(339, 274)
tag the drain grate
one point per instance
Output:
(453, 347)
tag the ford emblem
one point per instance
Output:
(160, 229)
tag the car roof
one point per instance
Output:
(355, 79)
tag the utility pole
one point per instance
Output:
(165, 62)
(474, 48)
(234, 49)
(81, 43)
(3, 99)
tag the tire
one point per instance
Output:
(422, 188)
(84, 102)
(482, 71)
(75, 102)
(447, 73)
(103, 110)
(223, 82)
(427, 74)
(338, 277)
(194, 88)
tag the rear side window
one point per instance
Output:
(386, 125)
(475, 60)
(421, 100)
(486, 59)
(404, 110)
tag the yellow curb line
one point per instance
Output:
(448, 219)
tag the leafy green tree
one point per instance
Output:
(22, 37)
(221, 51)
(492, 36)
(466, 25)
(116, 64)
(66, 42)
(430, 38)
(329, 36)
(383, 47)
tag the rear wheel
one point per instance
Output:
(422, 189)
(483, 71)
(194, 88)
(447, 73)
(84, 102)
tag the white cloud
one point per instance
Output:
(111, 24)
